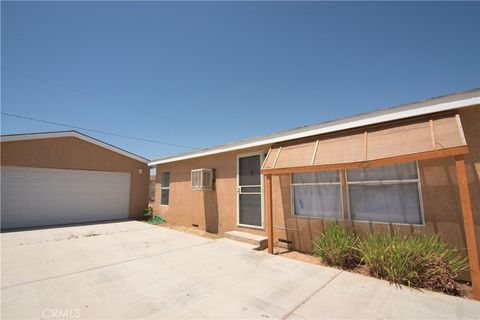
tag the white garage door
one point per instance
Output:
(40, 197)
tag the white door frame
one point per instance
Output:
(262, 193)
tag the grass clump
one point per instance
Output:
(420, 261)
(337, 246)
(151, 218)
(156, 220)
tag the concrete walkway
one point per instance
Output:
(134, 270)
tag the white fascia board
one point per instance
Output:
(445, 103)
(74, 134)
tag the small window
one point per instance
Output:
(385, 194)
(202, 179)
(317, 194)
(165, 188)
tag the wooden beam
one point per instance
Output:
(460, 129)
(432, 134)
(434, 154)
(314, 153)
(276, 157)
(365, 146)
(468, 224)
(269, 211)
(265, 160)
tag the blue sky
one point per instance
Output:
(207, 73)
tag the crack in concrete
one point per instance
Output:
(289, 313)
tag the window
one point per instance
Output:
(317, 194)
(165, 188)
(202, 179)
(385, 194)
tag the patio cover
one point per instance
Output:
(409, 140)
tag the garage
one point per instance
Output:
(35, 197)
(66, 178)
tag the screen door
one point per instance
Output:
(249, 191)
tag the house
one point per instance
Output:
(65, 177)
(405, 167)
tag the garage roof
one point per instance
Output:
(74, 134)
(438, 104)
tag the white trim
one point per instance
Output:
(380, 182)
(74, 134)
(262, 193)
(315, 183)
(434, 105)
(165, 188)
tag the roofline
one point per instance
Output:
(74, 134)
(424, 107)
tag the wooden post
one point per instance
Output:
(468, 224)
(269, 213)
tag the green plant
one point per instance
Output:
(151, 218)
(337, 246)
(419, 260)
(156, 219)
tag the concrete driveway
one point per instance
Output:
(135, 270)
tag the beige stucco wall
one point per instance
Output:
(210, 209)
(213, 211)
(74, 153)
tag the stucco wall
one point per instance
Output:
(213, 211)
(73, 153)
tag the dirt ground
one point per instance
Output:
(197, 232)
(464, 287)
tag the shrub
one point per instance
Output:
(337, 246)
(422, 261)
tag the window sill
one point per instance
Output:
(317, 218)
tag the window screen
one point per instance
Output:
(317, 194)
(249, 170)
(385, 194)
(165, 188)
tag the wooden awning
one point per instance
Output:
(417, 139)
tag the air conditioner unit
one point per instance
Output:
(202, 179)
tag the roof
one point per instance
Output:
(424, 107)
(73, 134)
